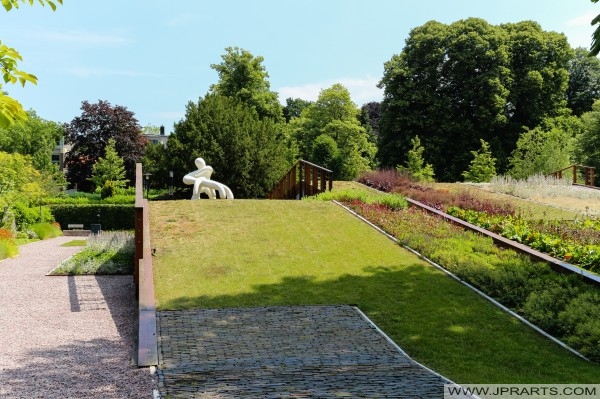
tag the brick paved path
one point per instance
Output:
(284, 352)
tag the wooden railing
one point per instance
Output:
(586, 172)
(304, 178)
(143, 279)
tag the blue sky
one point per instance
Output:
(153, 57)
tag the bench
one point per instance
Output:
(75, 226)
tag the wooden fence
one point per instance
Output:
(143, 278)
(304, 178)
(579, 172)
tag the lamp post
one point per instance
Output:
(147, 180)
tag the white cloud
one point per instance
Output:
(361, 90)
(582, 20)
(82, 37)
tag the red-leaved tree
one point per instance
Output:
(89, 135)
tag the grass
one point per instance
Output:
(105, 253)
(244, 253)
(75, 243)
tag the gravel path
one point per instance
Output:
(66, 337)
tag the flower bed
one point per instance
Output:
(564, 306)
(576, 242)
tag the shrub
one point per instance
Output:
(542, 307)
(108, 189)
(582, 325)
(105, 253)
(110, 216)
(391, 201)
(8, 247)
(26, 216)
(482, 167)
(46, 230)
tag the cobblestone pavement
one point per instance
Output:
(284, 352)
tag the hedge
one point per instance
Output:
(109, 216)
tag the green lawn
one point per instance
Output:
(243, 253)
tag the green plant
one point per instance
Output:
(415, 164)
(110, 216)
(108, 189)
(8, 247)
(105, 253)
(483, 166)
(46, 230)
(26, 216)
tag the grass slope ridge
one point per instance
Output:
(246, 253)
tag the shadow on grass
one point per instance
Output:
(436, 320)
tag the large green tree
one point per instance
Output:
(329, 134)
(242, 76)
(247, 153)
(584, 82)
(453, 85)
(89, 134)
(35, 137)
(10, 109)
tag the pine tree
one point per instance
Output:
(483, 166)
(415, 163)
(111, 169)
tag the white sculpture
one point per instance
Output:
(202, 184)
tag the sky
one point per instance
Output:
(153, 57)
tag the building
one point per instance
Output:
(155, 138)
(59, 153)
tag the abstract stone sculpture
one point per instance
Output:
(202, 184)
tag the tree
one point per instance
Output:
(587, 148)
(370, 113)
(456, 84)
(415, 163)
(10, 109)
(595, 47)
(584, 82)
(242, 76)
(109, 169)
(248, 154)
(35, 137)
(89, 135)
(546, 148)
(294, 107)
(483, 165)
(335, 115)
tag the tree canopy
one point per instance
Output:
(35, 137)
(456, 84)
(248, 154)
(89, 135)
(10, 109)
(242, 76)
(329, 134)
(587, 149)
(584, 82)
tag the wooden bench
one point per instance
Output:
(75, 226)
